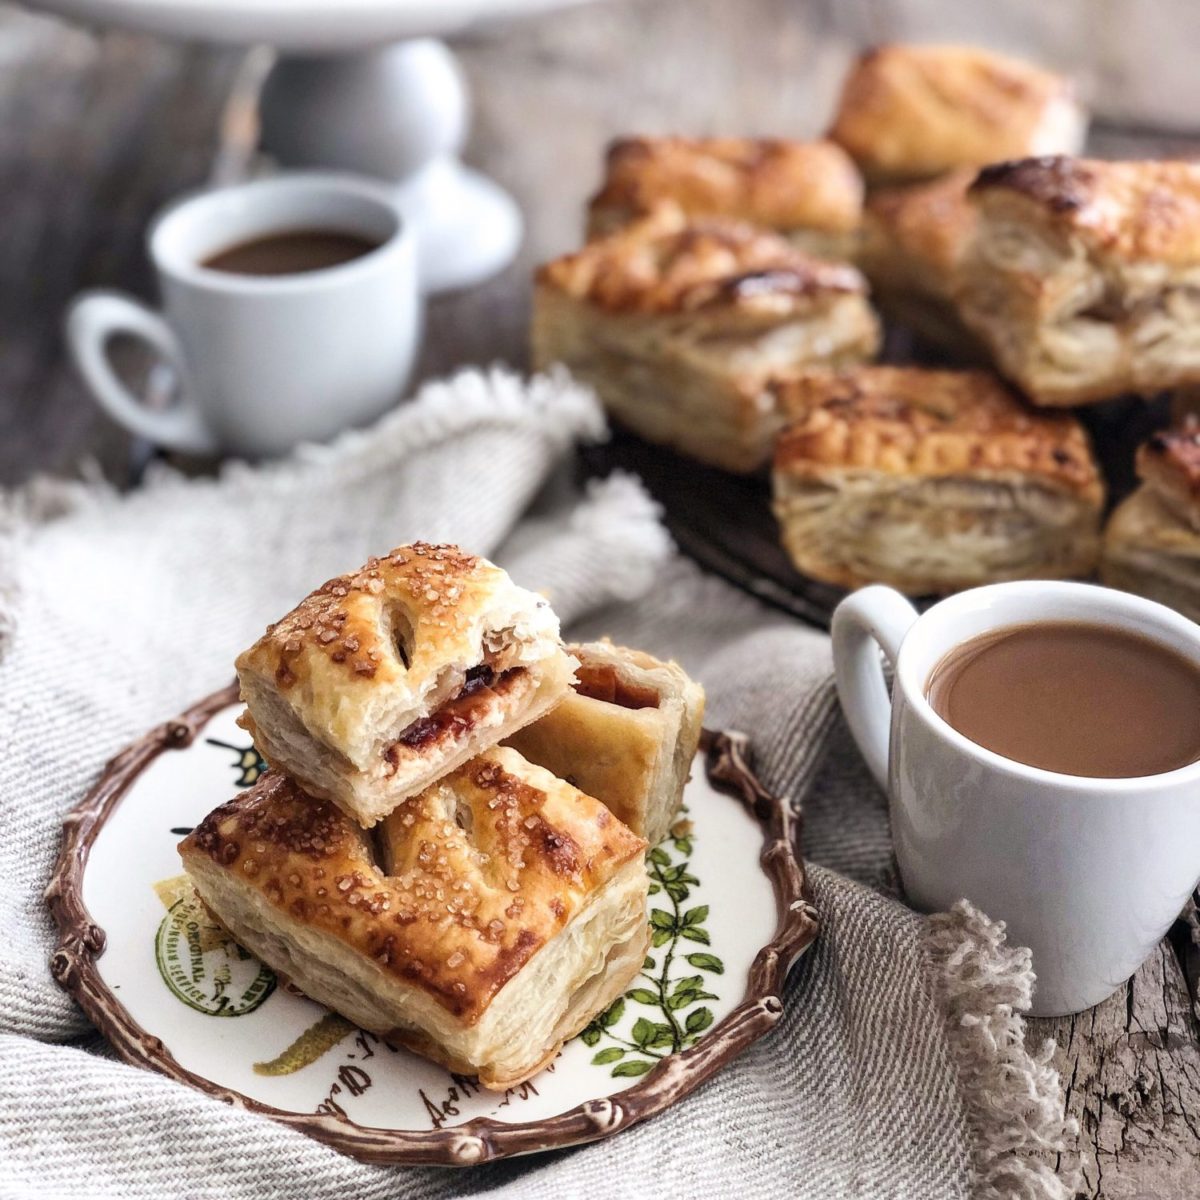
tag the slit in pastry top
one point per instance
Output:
(386, 678)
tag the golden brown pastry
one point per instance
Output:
(811, 192)
(931, 481)
(1152, 542)
(1082, 276)
(627, 734)
(913, 240)
(1169, 464)
(909, 113)
(677, 324)
(509, 909)
(383, 680)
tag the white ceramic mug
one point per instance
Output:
(1088, 873)
(263, 361)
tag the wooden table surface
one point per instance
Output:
(96, 132)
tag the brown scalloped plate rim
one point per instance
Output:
(81, 942)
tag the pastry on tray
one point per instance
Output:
(383, 680)
(910, 113)
(931, 481)
(626, 734)
(1152, 542)
(811, 192)
(913, 240)
(506, 909)
(678, 322)
(1081, 277)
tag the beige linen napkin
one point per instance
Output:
(898, 1069)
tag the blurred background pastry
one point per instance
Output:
(678, 322)
(909, 113)
(931, 481)
(811, 192)
(1081, 276)
(1152, 542)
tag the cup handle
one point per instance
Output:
(871, 619)
(93, 319)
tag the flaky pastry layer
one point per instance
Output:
(1151, 551)
(677, 326)
(931, 481)
(627, 734)
(1169, 463)
(1083, 277)
(809, 191)
(913, 240)
(508, 908)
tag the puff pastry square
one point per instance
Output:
(1152, 542)
(508, 909)
(909, 113)
(811, 192)
(677, 323)
(1169, 464)
(626, 733)
(1082, 277)
(931, 481)
(913, 240)
(383, 680)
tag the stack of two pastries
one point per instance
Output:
(397, 863)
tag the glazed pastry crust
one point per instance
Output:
(1150, 550)
(677, 324)
(383, 679)
(909, 113)
(1083, 276)
(626, 734)
(931, 481)
(669, 263)
(809, 191)
(509, 910)
(913, 240)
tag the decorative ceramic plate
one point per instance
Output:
(730, 913)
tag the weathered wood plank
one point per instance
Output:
(1131, 1069)
(95, 134)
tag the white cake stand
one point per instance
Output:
(363, 85)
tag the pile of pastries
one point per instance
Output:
(449, 846)
(731, 297)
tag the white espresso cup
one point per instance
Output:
(263, 361)
(1088, 873)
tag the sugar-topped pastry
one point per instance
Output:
(811, 192)
(1082, 276)
(909, 113)
(626, 733)
(1152, 541)
(931, 481)
(913, 241)
(677, 323)
(384, 679)
(505, 910)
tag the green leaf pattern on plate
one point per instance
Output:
(678, 1015)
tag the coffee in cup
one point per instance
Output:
(290, 312)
